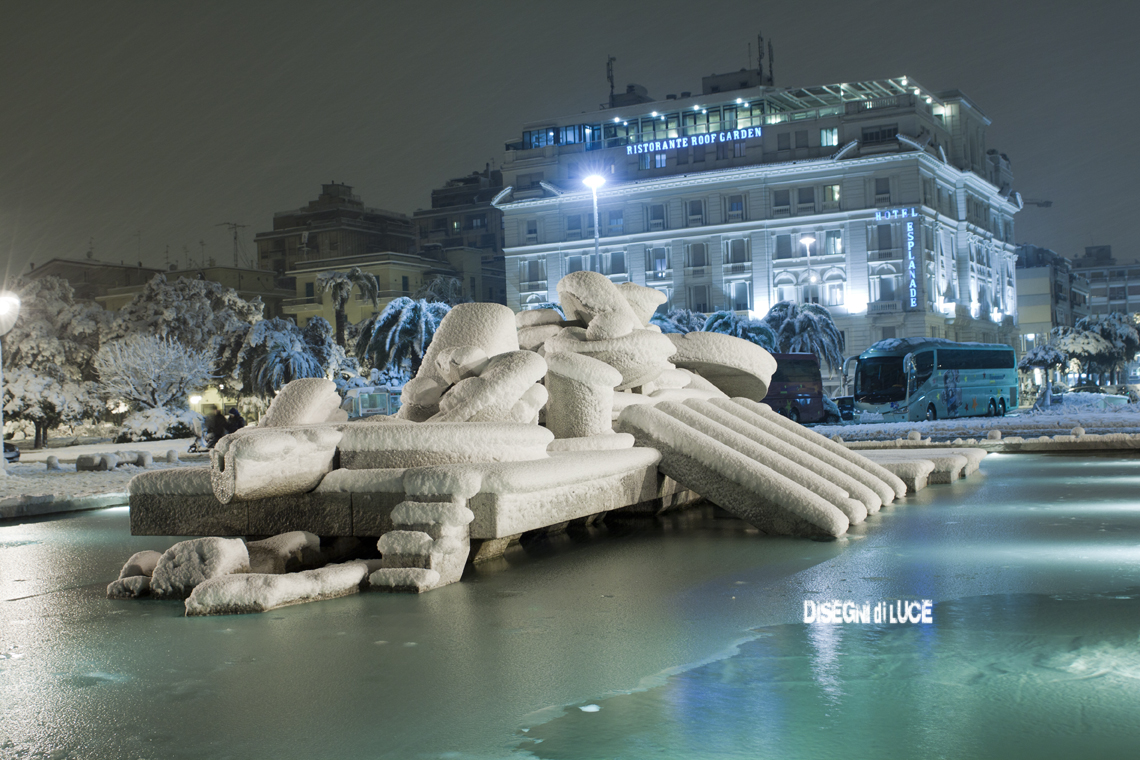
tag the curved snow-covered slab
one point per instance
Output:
(947, 467)
(735, 366)
(307, 401)
(639, 355)
(753, 491)
(366, 447)
(838, 471)
(841, 451)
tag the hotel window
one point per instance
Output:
(574, 264)
(781, 200)
(532, 231)
(683, 156)
(574, 227)
(616, 223)
(807, 245)
(643, 161)
(801, 138)
(659, 160)
(698, 153)
(740, 293)
(696, 212)
(785, 293)
(880, 134)
(658, 263)
(736, 208)
(531, 272)
(832, 242)
(831, 197)
(309, 290)
(477, 222)
(783, 246)
(404, 284)
(833, 294)
(721, 151)
(805, 200)
(737, 251)
(612, 263)
(829, 136)
(699, 298)
(884, 235)
(698, 255)
(439, 225)
(882, 190)
(656, 217)
(784, 141)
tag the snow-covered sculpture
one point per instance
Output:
(581, 395)
(592, 298)
(504, 390)
(303, 402)
(259, 462)
(387, 446)
(283, 552)
(536, 326)
(428, 549)
(188, 563)
(488, 327)
(736, 367)
(644, 301)
(258, 592)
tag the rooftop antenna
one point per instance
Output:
(749, 55)
(610, 76)
(202, 252)
(771, 83)
(234, 227)
(168, 256)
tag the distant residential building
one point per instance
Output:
(878, 199)
(1049, 294)
(461, 216)
(397, 274)
(1114, 287)
(92, 279)
(334, 226)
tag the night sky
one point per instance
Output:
(168, 118)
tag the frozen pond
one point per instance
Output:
(681, 638)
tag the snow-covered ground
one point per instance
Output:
(30, 476)
(1079, 409)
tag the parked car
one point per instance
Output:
(846, 406)
(11, 453)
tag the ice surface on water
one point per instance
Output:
(997, 676)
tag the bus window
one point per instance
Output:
(880, 379)
(923, 366)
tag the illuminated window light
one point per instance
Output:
(653, 114)
(704, 110)
(616, 120)
(740, 100)
(696, 108)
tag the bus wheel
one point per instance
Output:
(992, 411)
(794, 414)
(931, 413)
(1001, 407)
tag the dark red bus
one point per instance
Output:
(796, 390)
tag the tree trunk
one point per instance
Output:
(41, 435)
(341, 319)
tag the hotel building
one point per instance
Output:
(877, 199)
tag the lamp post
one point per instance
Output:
(806, 241)
(9, 312)
(594, 181)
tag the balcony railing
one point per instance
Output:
(883, 200)
(303, 301)
(781, 211)
(659, 274)
(738, 267)
(831, 205)
(886, 254)
(696, 271)
(884, 307)
(696, 220)
(736, 216)
(805, 208)
(533, 286)
(656, 225)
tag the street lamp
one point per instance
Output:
(594, 181)
(9, 312)
(806, 241)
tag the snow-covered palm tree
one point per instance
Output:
(728, 323)
(400, 334)
(442, 289)
(1047, 357)
(1088, 349)
(340, 285)
(1119, 331)
(806, 328)
(679, 321)
(286, 358)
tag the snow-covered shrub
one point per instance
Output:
(806, 328)
(832, 409)
(679, 321)
(400, 335)
(158, 424)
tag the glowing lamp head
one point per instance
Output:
(806, 241)
(195, 399)
(594, 181)
(814, 278)
(9, 311)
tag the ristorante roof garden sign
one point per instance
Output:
(729, 135)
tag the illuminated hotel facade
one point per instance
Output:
(876, 199)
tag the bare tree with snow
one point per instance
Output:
(1048, 358)
(148, 372)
